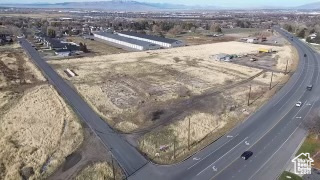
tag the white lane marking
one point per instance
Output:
(196, 159)
(304, 79)
(279, 147)
(261, 138)
(299, 117)
(304, 63)
(298, 111)
(247, 143)
(266, 133)
(273, 154)
(229, 136)
(211, 153)
(222, 156)
(214, 168)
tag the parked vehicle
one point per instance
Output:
(253, 59)
(309, 87)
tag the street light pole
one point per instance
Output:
(189, 136)
(249, 95)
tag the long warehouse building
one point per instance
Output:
(125, 41)
(164, 42)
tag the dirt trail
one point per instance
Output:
(168, 113)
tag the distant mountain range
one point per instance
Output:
(115, 5)
(311, 6)
(128, 5)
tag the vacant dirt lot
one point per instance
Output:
(37, 129)
(197, 39)
(129, 89)
(152, 95)
(243, 32)
(96, 47)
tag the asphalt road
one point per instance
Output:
(126, 155)
(272, 133)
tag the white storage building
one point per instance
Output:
(164, 42)
(124, 41)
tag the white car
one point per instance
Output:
(299, 104)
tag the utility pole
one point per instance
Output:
(174, 147)
(249, 95)
(114, 174)
(271, 81)
(189, 136)
(286, 67)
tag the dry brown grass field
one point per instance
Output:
(98, 171)
(153, 94)
(197, 39)
(123, 87)
(37, 129)
(96, 47)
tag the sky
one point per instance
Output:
(220, 3)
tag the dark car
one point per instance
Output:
(309, 87)
(305, 55)
(246, 155)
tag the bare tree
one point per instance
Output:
(215, 28)
(156, 29)
(193, 29)
(175, 30)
